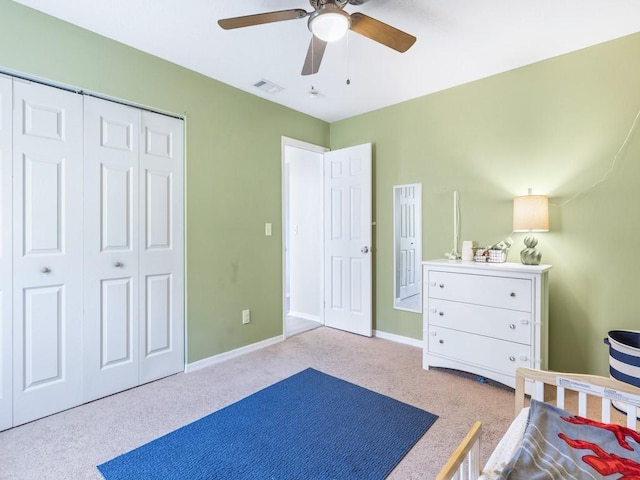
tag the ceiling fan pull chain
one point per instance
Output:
(348, 56)
(313, 53)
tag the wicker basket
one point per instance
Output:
(497, 256)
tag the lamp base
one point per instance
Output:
(530, 255)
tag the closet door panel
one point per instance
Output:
(47, 251)
(161, 250)
(111, 335)
(6, 270)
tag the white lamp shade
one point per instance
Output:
(330, 25)
(531, 213)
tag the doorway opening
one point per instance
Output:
(302, 214)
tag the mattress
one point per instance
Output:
(507, 447)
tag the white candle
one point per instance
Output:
(455, 221)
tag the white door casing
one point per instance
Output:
(111, 333)
(161, 293)
(347, 232)
(410, 263)
(47, 250)
(6, 261)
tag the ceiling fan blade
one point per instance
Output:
(381, 32)
(314, 56)
(260, 18)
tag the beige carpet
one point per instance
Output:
(70, 444)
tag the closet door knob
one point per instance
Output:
(45, 270)
(118, 264)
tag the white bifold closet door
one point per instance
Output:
(47, 250)
(133, 267)
(161, 247)
(111, 252)
(91, 249)
(6, 261)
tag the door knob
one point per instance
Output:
(364, 249)
(45, 270)
(118, 264)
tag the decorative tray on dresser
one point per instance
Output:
(485, 318)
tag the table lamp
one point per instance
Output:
(531, 214)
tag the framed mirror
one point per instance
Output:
(407, 247)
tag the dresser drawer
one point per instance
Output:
(497, 355)
(510, 325)
(501, 292)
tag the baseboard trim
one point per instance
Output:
(223, 357)
(305, 316)
(397, 338)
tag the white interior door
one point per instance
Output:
(47, 250)
(347, 232)
(161, 247)
(111, 333)
(409, 259)
(6, 275)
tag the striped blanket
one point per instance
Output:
(558, 445)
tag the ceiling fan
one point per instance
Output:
(328, 22)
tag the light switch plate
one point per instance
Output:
(267, 229)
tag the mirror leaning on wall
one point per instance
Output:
(407, 247)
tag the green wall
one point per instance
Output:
(233, 170)
(555, 126)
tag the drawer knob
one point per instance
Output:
(45, 270)
(440, 341)
(512, 358)
(441, 285)
(441, 314)
(512, 294)
(512, 326)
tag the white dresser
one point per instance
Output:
(485, 318)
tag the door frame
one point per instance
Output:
(292, 142)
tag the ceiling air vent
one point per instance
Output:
(268, 87)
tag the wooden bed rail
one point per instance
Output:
(464, 464)
(607, 389)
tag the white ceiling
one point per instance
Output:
(458, 41)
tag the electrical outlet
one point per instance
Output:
(246, 316)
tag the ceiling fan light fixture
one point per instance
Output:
(329, 24)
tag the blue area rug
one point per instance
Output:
(308, 426)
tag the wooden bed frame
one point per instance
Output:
(465, 464)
